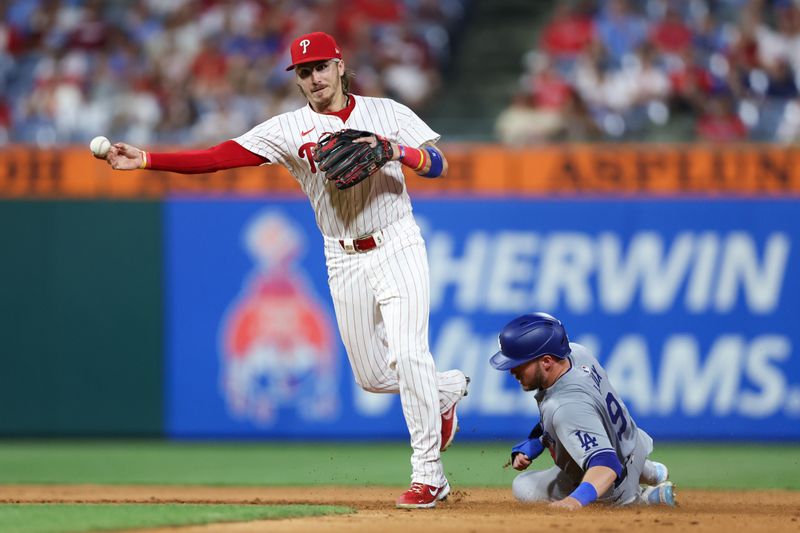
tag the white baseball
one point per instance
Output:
(100, 146)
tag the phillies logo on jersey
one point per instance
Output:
(306, 151)
(276, 339)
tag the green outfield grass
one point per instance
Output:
(57, 518)
(466, 463)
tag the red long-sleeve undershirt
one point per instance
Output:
(229, 154)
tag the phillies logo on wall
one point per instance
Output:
(276, 340)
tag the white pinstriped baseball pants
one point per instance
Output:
(382, 303)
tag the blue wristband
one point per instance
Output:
(585, 493)
(437, 165)
(531, 447)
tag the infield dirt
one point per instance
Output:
(466, 510)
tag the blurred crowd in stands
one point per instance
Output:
(710, 70)
(198, 71)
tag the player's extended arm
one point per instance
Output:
(596, 480)
(229, 154)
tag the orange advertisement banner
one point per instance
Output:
(71, 172)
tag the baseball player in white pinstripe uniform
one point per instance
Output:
(376, 258)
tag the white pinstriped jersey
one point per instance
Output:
(365, 208)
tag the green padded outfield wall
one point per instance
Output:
(81, 342)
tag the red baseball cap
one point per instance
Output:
(317, 46)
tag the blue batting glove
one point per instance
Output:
(532, 448)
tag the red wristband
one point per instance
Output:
(412, 157)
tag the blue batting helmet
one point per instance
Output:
(528, 337)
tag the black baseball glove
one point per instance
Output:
(348, 163)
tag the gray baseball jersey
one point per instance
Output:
(582, 415)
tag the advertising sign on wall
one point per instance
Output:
(689, 304)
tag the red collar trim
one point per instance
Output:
(344, 113)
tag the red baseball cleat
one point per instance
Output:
(450, 424)
(422, 496)
(449, 428)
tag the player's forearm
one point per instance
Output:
(601, 477)
(427, 161)
(229, 154)
(596, 481)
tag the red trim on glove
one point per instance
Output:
(229, 154)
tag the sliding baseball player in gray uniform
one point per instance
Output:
(599, 452)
